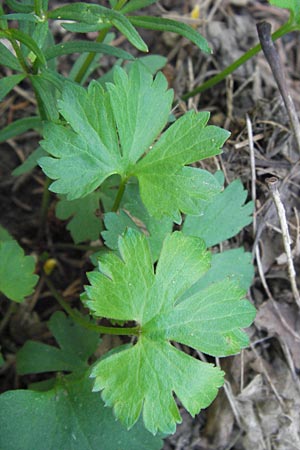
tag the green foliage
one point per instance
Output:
(134, 215)
(92, 150)
(147, 373)
(76, 344)
(221, 217)
(17, 278)
(292, 5)
(119, 159)
(69, 415)
(84, 224)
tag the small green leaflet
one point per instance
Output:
(134, 215)
(292, 5)
(84, 224)
(68, 417)
(8, 83)
(109, 133)
(234, 264)
(222, 216)
(17, 278)
(144, 377)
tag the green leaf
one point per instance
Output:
(96, 14)
(29, 163)
(292, 5)
(107, 135)
(20, 126)
(26, 40)
(84, 224)
(8, 83)
(234, 264)
(222, 217)
(22, 6)
(76, 344)
(133, 5)
(85, 46)
(161, 24)
(136, 216)
(31, 17)
(17, 278)
(146, 375)
(4, 235)
(67, 417)
(46, 96)
(8, 59)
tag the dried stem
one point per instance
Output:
(271, 54)
(272, 185)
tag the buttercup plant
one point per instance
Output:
(112, 146)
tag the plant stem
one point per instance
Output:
(44, 207)
(119, 196)
(286, 28)
(78, 318)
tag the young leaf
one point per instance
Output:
(26, 40)
(45, 94)
(29, 163)
(292, 5)
(8, 59)
(17, 277)
(136, 216)
(95, 14)
(109, 136)
(84, 224)
(173, 26)
(76, 344)
(67, 417)
(85, 46)
(8, 83)
(146, 375)
(133, 5)
(20, 126)
(221, 217)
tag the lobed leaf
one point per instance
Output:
(17, 278)
(144, 377)
(135, 215)
(84, 224)
(108, 134)
(221, 217)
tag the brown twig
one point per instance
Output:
(270, 52)
(272, 185)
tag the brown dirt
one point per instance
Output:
(259, 407)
